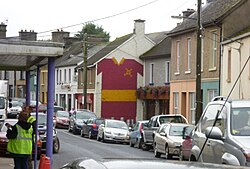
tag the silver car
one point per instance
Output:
(168, 139)
(228, 141)
(114, 131)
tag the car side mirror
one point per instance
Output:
(213, 133)
(163, 134)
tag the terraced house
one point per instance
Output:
(183, 57)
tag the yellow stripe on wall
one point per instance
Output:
(118, 95)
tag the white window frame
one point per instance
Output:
(212, 64)
(188, 55)
(192, 106)
(65, 76)
(176, 102)
(151, 74)
(167, 72)
(70, 75)
(178, 56)
(211, 93)
(60, 76)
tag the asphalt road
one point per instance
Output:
(75, 146)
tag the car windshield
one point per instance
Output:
(84, 115)
(62, 114)
(117, 124)
(176, 130)
(170, 119)
(16, 103)
(240, 121)
(99, 121)
(2, 103)
(42, 119)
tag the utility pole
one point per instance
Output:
(85, 71)
(198, 66)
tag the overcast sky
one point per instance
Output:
(47, 15)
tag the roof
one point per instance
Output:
(25, 55)
(211, 13)
(163, 49)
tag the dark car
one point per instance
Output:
(42, 128)
(77, 119)
(141, 164)
(136, 134)
(4, 140)
(90, 127)
(62, 119)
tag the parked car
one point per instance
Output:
(168, 139)
(114, 131)
(57, 108)
(131, 163)
(42, 129)
(90, 127)
(148, 131)
(186, 145)
(62, 119)
(77, 119)
(4, 140)
(13, 112)
(228, 141)
(136, 133)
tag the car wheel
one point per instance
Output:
(156, 153)
(82, 134)
(167, 153)
(69, 129)
(181, 155)
(56, 146)
(144, 146)
(90, 134)
(131, 144)
(74, 130)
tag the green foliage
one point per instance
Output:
(92, 29)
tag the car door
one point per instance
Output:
(161, 139)
(213, 148)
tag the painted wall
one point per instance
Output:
(208, 85)
(119, 83)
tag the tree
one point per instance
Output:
(92, 29)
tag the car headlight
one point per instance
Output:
(108, 132)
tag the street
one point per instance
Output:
(75, 146)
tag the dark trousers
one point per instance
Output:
(21, 162)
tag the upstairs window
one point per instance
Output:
(189, 54)
(213, 56)
(167, 72)
(229, 60)
(178, 56)
(151, 78)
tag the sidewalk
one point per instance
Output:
(6, 163)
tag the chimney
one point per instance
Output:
(70, 40)
(139, 27)
(187, 13)
(28, 35)
(59, 35)
(3, 30)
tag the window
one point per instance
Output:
(35, 80)
(192, 106)
(60, 76)
(70, 75)
(57, 76)
(167, 72)
(202, 52)
(213, 56)
(90, 76)
(6, 75)
(65, 76)
(178, 57)
(151, 78)
(229, 66)
(176, 102)
(211, 93)
(189, 54)
(22, 75)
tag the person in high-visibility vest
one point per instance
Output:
(20, 141)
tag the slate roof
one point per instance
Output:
(162, 49)
(211, 13)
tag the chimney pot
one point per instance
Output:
(3, 30)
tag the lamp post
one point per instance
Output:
(198, 110)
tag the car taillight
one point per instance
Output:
(94, 126)
(39, 143)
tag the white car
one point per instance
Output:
(15, 110)
(114, 131)
(168, 139)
